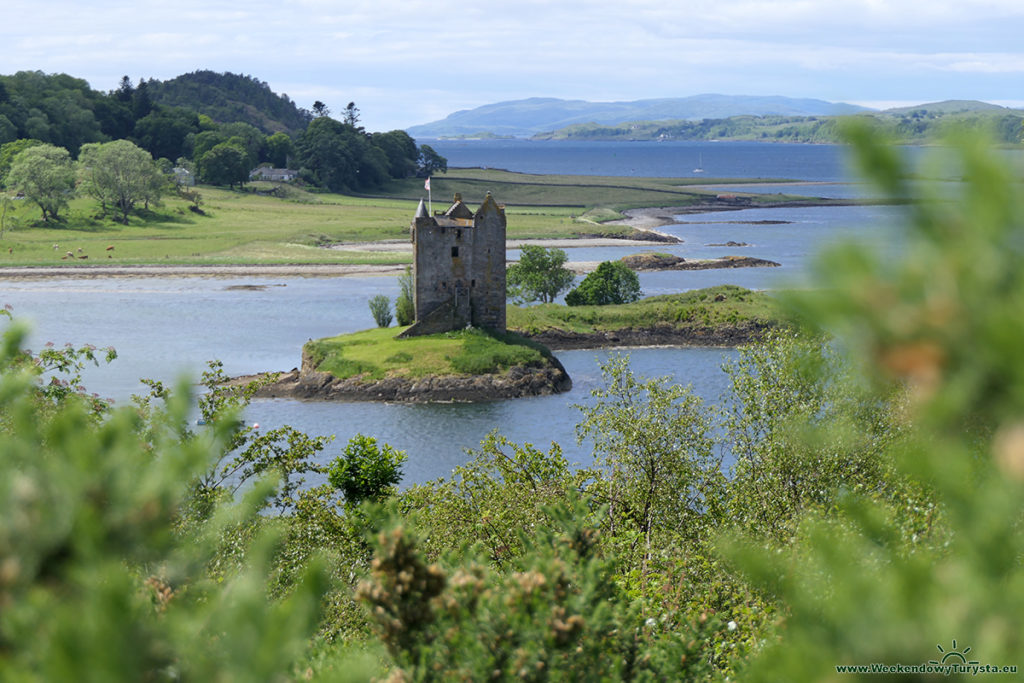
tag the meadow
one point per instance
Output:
(279, 224)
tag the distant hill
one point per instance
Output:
(539, 115)
(227, 97)
(949, 107)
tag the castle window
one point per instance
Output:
(458, 234)
(455, 252)
(472, 283)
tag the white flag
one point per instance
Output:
(426, 185)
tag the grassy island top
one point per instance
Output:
(712, 307)
(376, 354)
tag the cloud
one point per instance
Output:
(407, 59)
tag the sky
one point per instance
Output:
(407, 62)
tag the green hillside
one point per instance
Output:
(228, 97)
(910, 125)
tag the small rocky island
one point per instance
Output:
(657, 261)
(510, 368)
(457, 348)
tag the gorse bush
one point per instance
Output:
(557, 614)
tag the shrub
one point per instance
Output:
(366, 471)
(405, 309)
(380, 307)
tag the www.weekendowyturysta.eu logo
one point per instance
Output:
(954, 656)
(953, 661)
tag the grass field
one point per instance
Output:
(256, 227)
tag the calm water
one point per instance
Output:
(164, 327)
(674, 159)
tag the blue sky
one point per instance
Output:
(406, 62)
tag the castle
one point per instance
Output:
(458, 268)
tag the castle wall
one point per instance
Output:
(489, 297)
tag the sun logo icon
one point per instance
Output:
(954, 653)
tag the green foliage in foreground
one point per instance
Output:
(98, 581)
(943, 323)
(719, 306)
(375, 354)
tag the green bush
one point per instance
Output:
(941, 327)
(380, 307)
(612, 283)
(366, 471)
(405, 309)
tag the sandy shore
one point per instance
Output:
(298, 269)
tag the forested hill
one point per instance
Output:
(908, 125)
(227, 97)
(219, 127)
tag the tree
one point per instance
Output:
(119, 174)
(330, 150)
(225, 164)
(403, 156)
(612, 283)
(380, 307)
(279, 149)
(365, 471)
(540, 275)
(320, 109)
(351, 117)
(163, 131)
(653, 442)
(430, 162)
(10, 150)
(405, 306)
(47, 177)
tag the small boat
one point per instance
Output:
(700, 163)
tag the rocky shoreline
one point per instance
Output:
(656, 335)
(516, 382)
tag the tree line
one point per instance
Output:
(62, 112)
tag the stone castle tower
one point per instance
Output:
(459, 268)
